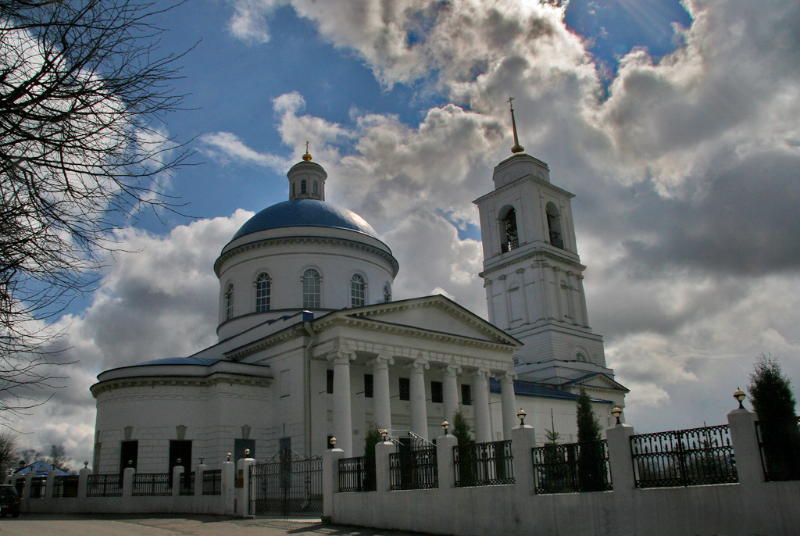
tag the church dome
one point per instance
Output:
(305, 213)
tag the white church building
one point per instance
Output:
(312, 345)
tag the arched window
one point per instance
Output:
(229, 302)
(263, 292)
(315, 188)
(554, 225)
(509, 239)
(311, 289)
(303, 186)
(387, 293)
(358, 291)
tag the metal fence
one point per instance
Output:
(212, 482)
(779, 443)
(692, 457)
(149, 484)
(413, 469)
(357, 474)
(571, 467)
(38, 487)
(484, 464)
(65, 486)
(186, 484)
(104, 486)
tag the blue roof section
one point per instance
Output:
(206, 361)
(532, 389)
(305, 213)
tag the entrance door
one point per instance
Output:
(128, 455)
(180, 453)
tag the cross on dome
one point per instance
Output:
(517, 147)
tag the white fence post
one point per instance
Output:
(330, 480)
(620, 458)
(127, 481)
(383, 482)
(177, 471)
(243, 486)
(227, 483)
(50, 483)
(523, 439)
(198, 480)
(83, 482)
(444, 460)
(742, 425)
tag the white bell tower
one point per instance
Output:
(532, 273)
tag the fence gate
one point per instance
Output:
(287, 485)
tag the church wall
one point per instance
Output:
(213, 416)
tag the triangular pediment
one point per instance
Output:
(598, 381)
(431, 313)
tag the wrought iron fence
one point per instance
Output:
(571, 467)
(357, 474)
(65, 486)
(484, 464)
(38, 487)
(186, 484)
(148, 484)
(413, 469)
(212, 482)
(692, 457)
(291, 486)
(104, 486)
(779, 443)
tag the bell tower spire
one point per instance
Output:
(517, 147)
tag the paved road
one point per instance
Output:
(152, 525)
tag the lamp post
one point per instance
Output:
(616, 412)
(229, 457)
(384, 433)
(521, 416)
(201, 460)
(740, 396)
(333, 442)
(445, 426)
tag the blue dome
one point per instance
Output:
(305, 213)
(180, 361)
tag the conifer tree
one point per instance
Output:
(591, 468)
(773, 400)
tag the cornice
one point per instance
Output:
(268, 242)
(536, 180)
(536, 254)
(178, 381)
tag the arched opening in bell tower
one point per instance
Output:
(509, 238)
(554, 225)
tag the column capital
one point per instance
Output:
(570, 273)
(579, 277)
(341, 357)
(556, 269)
(519, 270)
(452, 370)
(418, 365)
(487, 282)
(382, 360)
(501, 278)
(481, 374)
(507, 376)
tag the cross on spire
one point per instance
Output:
(307, 156)
(517, 147)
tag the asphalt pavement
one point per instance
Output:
(175, 525)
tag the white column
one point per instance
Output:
(561, 307)
(487, 284)
(547, 305)
(483, 424)
(342, 406)
(574, 298)
(508, 402)
(506, 301)
(584, 312)
(382, 401)
(419, 406)
(450, 391)
(523, 288)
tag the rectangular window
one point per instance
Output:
(368, 383)
(405, 389)
(286, 383)
(436, 392)
(466, 394)
(330, 381)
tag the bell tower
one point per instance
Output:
(532, 272)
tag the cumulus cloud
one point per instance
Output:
(157, 299)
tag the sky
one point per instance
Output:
(674, 124)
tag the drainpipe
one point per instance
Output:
(308, 317)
